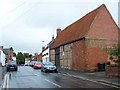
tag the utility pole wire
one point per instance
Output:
(23, 14)
(13, 9)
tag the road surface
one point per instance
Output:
(27, 77)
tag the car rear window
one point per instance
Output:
(38, 63)
(12, 62)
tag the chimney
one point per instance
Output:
(58, 31)
(52, 37)
(1, 48)
(43, 48)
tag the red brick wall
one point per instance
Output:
(93, 57)
(52, 55)
(11, 54)
(78, 54)
(103, 26)
(66, 56)
(112, 71)
(87, 54)
(96, 52)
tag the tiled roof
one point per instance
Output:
(6, 51)
(76, 30)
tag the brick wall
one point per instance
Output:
(84, 54)
(66, 56)
(112, 70)
(52, 55)
(78, 52)
(96, 52)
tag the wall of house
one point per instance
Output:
(52, 55)
(66, 56)
(11, 54)
(45, 55)
(83, 55)
(78, 55)
(2, 58)
(96, 52)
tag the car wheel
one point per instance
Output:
(16, 69)
(7, 70)
(41, 70)
(56, 71)
(46, 71)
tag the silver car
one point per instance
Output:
(48, 67)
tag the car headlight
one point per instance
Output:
(55, 67)
(47, 67)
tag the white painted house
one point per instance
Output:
(45, 55)
(2, 58)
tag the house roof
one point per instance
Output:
(6, 51)
(78, 29)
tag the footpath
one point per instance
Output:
(2, 76)
(97, 77)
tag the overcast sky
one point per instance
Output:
(25, 24)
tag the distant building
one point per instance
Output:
(81, 45)
(8, 53)
(2, 56)
(45, 55)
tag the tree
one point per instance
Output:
(30, 56)
(26, 55)
(20, 58)
(114, 52)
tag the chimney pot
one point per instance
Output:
(58, 31)
(52, 38)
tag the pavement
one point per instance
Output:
(97, 77)
(2, 75)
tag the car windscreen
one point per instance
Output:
(48, 64)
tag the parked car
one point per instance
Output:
(27, 63)
(32, 63)
(37, 65)
(11, 65)
(48, 67)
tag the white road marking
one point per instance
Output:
(52, 83)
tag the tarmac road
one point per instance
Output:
(27, 77)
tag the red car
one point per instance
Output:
(37, 65)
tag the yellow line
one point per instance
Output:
(92, 81)
(102, 83)
(5, 79)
